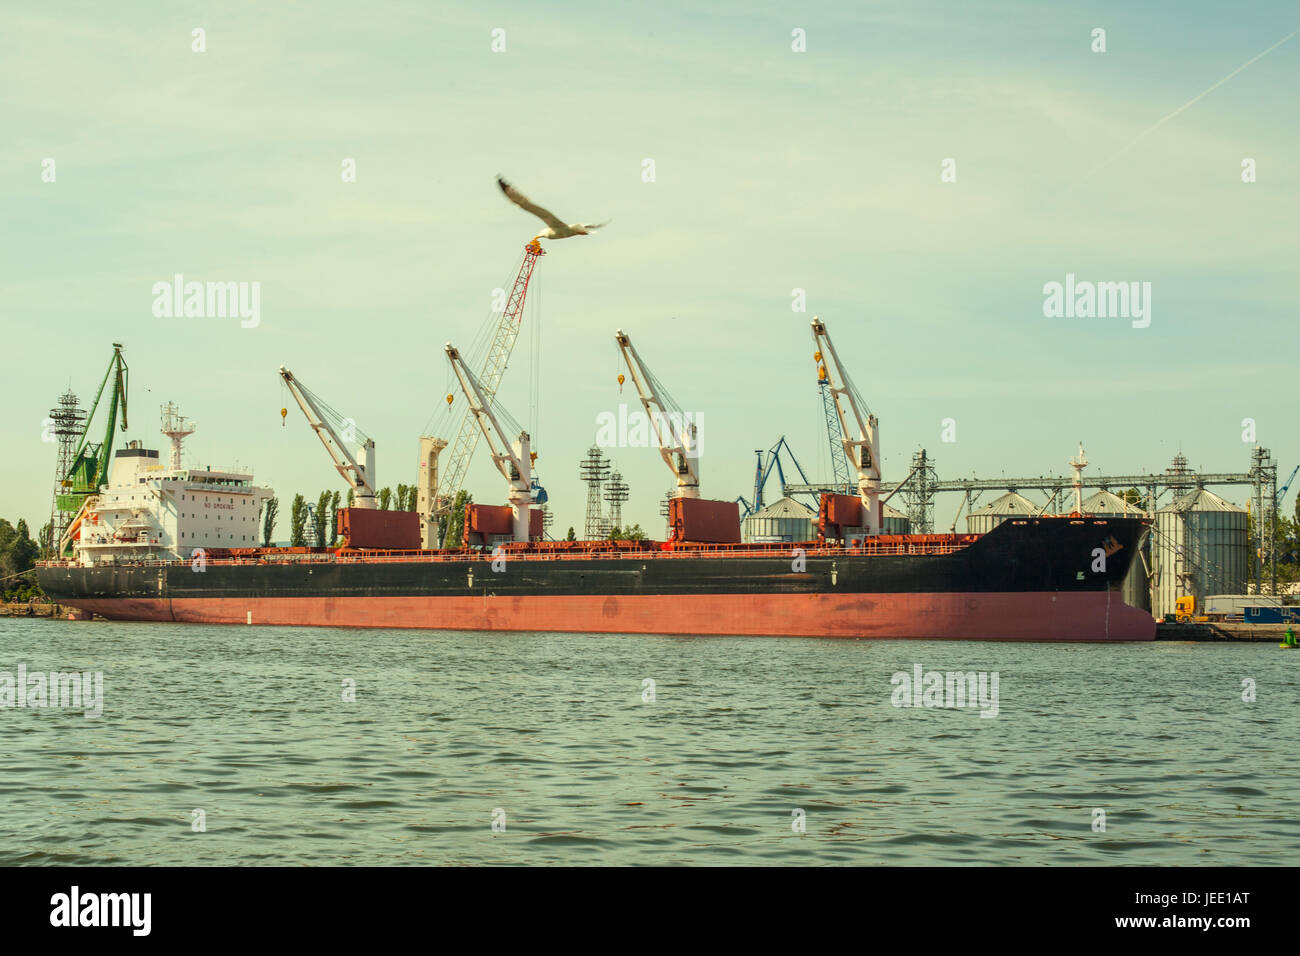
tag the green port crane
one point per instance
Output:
(90, 461)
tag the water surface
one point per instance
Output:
(552, 733)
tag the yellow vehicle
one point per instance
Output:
(1185, 611)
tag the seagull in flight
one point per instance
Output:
(558, 228)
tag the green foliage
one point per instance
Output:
(320, 518)
(18, 554)
(632, 533)
(571, 536)
(451, 526)
(1285, 541)
(334, 519)
(270, 511)
(298, 522)
(385, 499)
(406, 497)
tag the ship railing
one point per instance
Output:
(900, 548)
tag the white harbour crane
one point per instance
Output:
(357, 471)
(676, 431)
(859, 429)
(440, 480)
(513, 459)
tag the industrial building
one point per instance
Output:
(1200, 548)
(1010, 505)
(782, 520)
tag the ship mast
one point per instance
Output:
(176, 427)
(1078, 463)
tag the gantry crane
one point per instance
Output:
(326, 422)
(676, 432)
(444, 481)
(89, 469)
(513, 459)
(858, 427)
(1286, 486)
(762, 472)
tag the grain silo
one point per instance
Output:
(1200, 548)
(1137, 583)
(783, 520)
(893, 521)
(1010, 505)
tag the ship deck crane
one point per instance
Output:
(444, 481)
(839, 463)
(326, 422)
(859, 430)
(676, 432)
(513, 459)
(90, 461)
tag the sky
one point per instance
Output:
(774, 170)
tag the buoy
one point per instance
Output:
(450, 398)
(817, 356)
(821, 373)
(283, 413)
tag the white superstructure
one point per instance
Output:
(149, 511)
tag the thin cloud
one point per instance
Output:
(1193, 101)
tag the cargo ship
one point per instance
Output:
(159, 542)
(1049, 578)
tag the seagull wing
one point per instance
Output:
(596, 225)
(522, 201)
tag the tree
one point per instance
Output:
(46, 545)
(571, 536)
(352, 496)
(451, 526)
(320, 518)
(18, 554)
(1284, 540)
(632, 533)
(385, 498)
(334, 519)
(269, 513)
(298, 522)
